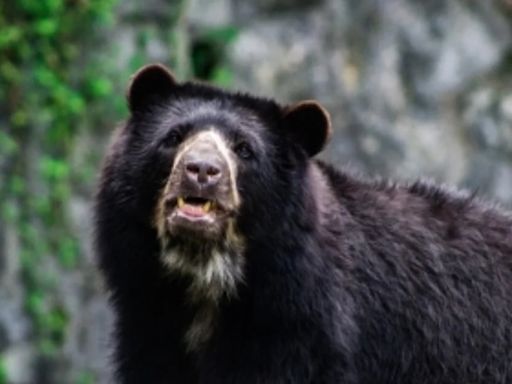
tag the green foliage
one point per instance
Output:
(51, 75)
(3, 372)
(84, 378)
(7, 144)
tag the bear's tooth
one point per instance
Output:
(181, 202)
(207, 206)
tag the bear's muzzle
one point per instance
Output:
(200, 195)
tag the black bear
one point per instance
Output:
(231, 256)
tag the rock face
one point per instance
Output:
(415, 88)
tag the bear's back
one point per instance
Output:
(434, 282)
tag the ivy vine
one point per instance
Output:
(48, 83)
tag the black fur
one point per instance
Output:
(346, 280)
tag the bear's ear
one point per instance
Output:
(309, 124)
(149, 84)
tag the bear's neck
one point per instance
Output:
(310, 228)
(313, 212)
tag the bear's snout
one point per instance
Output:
(202, 172)
(202, 169)
(201, 193)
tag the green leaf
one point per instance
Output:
(222, 76)
(100, 87)
(54, 6)
(7, 144)
(68, 253)
(53, 169)
(19, 118)
(16, 185)
(48, 347)
(45, 77)
(10, 212)
(35, 303)
(4, 377)
(61, 191)
(76, 103)
(46, 27)
(10, 35)
(223, 35)
(10, 71)
(84, 378)
(32, 7)
(42, 206)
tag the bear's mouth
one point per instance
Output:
(196, 217)
(197, 208)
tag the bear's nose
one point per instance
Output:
(204, 173)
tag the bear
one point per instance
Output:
(232, 255)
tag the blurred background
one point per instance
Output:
(415, 88)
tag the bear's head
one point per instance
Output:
(218, 169)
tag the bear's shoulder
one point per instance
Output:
(418, 197)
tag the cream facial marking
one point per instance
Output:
(214, 137)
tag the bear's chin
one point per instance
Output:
(209, 251)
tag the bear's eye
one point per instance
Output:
(172, 139)
(244, 151)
